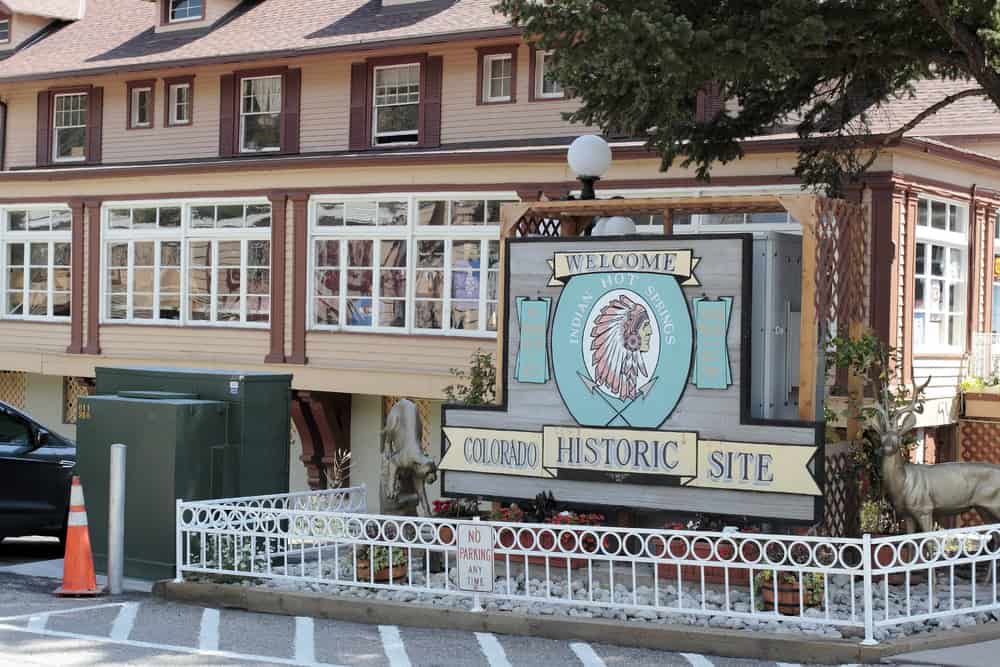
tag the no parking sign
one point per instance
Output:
(475, 557)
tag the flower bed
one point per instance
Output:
(703, 549)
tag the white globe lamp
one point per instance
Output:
(618, 225)
(589, 157)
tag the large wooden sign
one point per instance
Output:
(626, 383)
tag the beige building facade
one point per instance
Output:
(330, 209)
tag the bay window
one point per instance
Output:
(188, 263)
(412, 264)
(940, 276)
(35, 245)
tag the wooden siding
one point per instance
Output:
(417, 356)
(324, 117)
(219, 345)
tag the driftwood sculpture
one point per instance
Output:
(406, 469)
(919, 493)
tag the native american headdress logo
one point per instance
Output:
(619, 342)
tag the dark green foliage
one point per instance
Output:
(478, 385)
(812, 67)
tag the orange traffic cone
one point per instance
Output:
(78, 562)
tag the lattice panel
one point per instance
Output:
(534, 225)
(979, 442)
(840, 495)
(73, 389)
(13, 387)
(423, 409)
(841, 261)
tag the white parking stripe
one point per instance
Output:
(231, 655)
(36, 622)
(208, 634)
(697, 660)
(305, 646)
(492, 649)
(393, 645)
(71, 610)
(787, 664)
(125, 621)
(587, 655)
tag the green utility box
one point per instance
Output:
(176, 449)
(191, 434)
(259, 415)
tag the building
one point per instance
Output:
(314, 187)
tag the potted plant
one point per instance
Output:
(380, 563)
(459, 508)
(877, 519)
(546, 511)
(786, 596)
(704, 549)
(981, 397)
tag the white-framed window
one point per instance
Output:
(498, 75)
(35, 243)
(185, 10)
(179, 103)
(141, 107)
(187, 262)
(69, 127)
(4, 30)
(260, 114)
(546, 85)
(426, 263)
(396, 104)
(940, 276)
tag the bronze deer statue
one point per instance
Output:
(919, 493)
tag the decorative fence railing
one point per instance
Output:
(861, 587)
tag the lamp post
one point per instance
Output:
(589, 157)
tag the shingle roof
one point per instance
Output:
(120, 33)
(57, 9)
(972, 115)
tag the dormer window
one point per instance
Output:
(185, 10)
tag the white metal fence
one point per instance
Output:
(859, 586)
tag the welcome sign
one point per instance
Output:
(626, 383)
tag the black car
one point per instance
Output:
(36, 469)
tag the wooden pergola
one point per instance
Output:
(834, 258)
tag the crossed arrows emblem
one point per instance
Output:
(643, 392)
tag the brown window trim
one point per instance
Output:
(168, 83)
(388, 61)
(92, 140)
(4, 16)
(129, 87)
(501, 49)
(165, 14)
(239, 75)
(533, 78)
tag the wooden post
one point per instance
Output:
(855, 388)
(808, 325)
(803, 209)
(668, 222)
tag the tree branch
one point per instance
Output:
(897, 134)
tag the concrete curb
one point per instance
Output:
(687, 639)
